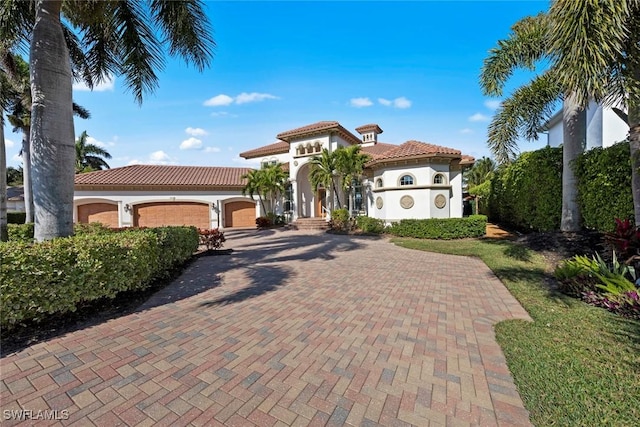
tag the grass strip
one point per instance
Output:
(574, 365)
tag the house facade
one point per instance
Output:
(410, 180)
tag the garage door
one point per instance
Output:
(104, 213)
(240, 214)
(171, 213)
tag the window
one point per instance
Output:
(300, 150)
(379, 183)
(406, 180)
(439, 179)
(288, 197)
(317, 147)
(357, 195)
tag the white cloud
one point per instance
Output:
(16, 157)
(360, 102)
(196, 131)
(107, 85)
(211, 150)
(243, 98)
(492, 104)
(92, 140)
(159, 156)
(190, 144)
(466, 130)
(478, 117)
(219, 100)
(400, 102)
(9, 143)
(223, 114)
(155, 158)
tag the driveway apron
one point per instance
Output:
(291, 328)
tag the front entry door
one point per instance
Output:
(321, 202)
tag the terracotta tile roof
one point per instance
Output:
(416, 149)
(378, 149)
(163, 176)
(316, 128)
(368, 128)
(279, 147)
(467, 160)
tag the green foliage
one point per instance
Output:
(211, 238)
(276, 219)
(91, 228)
(56, 276)
(340, 220)
(20, 232)
(527, 194)
(604, 186)
(370, 225)
(483, 191)
(264, 222)
(16, 217)
(440, 228)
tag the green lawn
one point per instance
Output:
(575, 365)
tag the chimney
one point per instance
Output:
(369, 134)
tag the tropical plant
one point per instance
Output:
(530, 106)
(275, 180)
(255, 186)
(350, 166)
(323, 172)
(597, 46)
(90, 157)
(481, 172)
(97, 40)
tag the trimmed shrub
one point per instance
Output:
(20, 232)
(213, 239)
(39, 279)
(528, 193)
(370, 225)
(340, 220)
(16, 217)
(264, 222)
(440, 228)
(604, 186)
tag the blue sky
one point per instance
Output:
(411, 67)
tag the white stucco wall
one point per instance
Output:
(614, 129)
(280, 158)
(215, 199)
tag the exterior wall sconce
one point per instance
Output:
(127, 208)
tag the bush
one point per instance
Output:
(263, 222)
(370, 225)
(528, 193)
(20, 232)
(16, 217)
(340, 220)
(440, 228)
(604, 186)
(276, 219)
(212, 239)
(39, 279)
(96, 228)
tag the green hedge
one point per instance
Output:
(604, 186)
(440, 228)
(16, 217)
(20, 232)
(370, 225)
(56, 276)
(528, 193)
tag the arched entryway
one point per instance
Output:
(310, 201)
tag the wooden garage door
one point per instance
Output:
(104, 213)
(171, 213)
(240, 214)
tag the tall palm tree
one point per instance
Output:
(323, 172)
(90, 157)
(598, 51)
(350, 164)
(256, 185)
(118, 38)
(481, 171)
(530, 106)
(275, 179)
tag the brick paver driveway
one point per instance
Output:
(290, 329)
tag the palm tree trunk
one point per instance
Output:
(52, 135)
(634, 146)
(574, 120)
(26, 174)
(4, 234)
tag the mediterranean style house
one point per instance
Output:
(410, 180)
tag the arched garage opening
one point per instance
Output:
(240, 214)
(104, 213)
(158, 214)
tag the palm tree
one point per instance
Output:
(598, 51)
(256, 185)
(90, 157)
(531, 106)
(481, 171)
(350, 164)
(275, 179)
(323, 172)
(119, 38)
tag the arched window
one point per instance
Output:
(406, 180)
(379, 183)
(317, 147)
(439, 179)
(300, 150)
